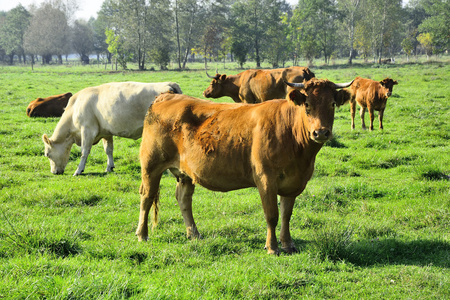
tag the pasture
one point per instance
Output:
(373, 223)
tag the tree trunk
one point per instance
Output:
(177, 26)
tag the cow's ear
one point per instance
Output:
(296, 97)
(395, 82)
(222, 77)
(46, 140)
(343, 96)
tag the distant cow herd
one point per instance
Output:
(270, 145)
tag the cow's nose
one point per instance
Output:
(322, 134)
(389, 94)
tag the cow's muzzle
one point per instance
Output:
(321, 135)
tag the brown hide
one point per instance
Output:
(227, 146)
(52, 106)
(371, 95)
(254, 86)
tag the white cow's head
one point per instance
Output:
(57, 153)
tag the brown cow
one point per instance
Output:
(254, 86)
(368, 94)
(228, 146)
(52, 106)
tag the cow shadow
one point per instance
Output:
(94, 174)
(366, 253)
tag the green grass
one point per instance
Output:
(373, 223)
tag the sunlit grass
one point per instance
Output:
(373, 222)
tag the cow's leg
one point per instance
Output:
(380, 118)
(87, 139)
(361, 114)
(184, 192)
(149, 191)
(352, 112)
(108, 146)
(372, 117)
(286, 205)
(270, 206)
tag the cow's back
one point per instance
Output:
(117, 108)
(217, 144)
(267, 84)
(52, 106)
(366, 92)
(297, 74)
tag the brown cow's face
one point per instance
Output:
(319, 101)
(388, 84)
(215, 89)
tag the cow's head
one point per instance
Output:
(217, 86)
(388, 83)
(32, 106)
(57, 153)
(318, 98)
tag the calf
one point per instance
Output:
(368, 94)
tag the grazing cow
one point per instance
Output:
(52, 106)
(101, 112)
(254, 86)
(368, 94)
(228, 146)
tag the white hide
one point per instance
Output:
(101, 112)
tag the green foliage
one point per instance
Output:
(437, 25)
(372, 223)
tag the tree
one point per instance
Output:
(212, 41)
(254, 27)
(116, 48)
(350, 9)
(98, 27)
(426, 41)
(414, 15)
(48, 33)
(408, 43)
(12, 32)
(189, 21)
(437, 24)
(316, 22)
(160, 31)
(82, 40)
(379, 28)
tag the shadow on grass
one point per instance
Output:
(392, 251)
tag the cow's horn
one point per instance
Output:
(212, 77)
(343, 85)
(295, 84)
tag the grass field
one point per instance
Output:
(373, 223)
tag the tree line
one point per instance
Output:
(271, 31)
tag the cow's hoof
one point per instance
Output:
(272, 251)
(290, 250)
(142, 238)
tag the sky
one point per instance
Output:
(87, 8)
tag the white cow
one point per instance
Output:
(101, 112)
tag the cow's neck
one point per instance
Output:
(302, 136)
(63, 128)
(233, 88)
